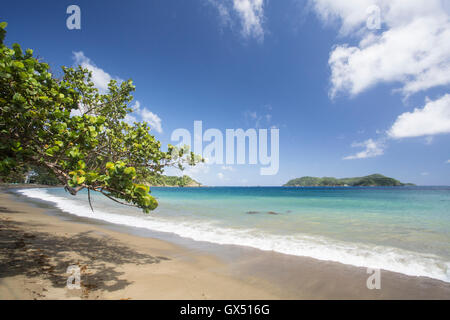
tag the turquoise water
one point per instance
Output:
(403, 229)
(412, 218)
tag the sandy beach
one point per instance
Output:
(36, 249)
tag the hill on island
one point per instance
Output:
(373, 180)
(171, 181)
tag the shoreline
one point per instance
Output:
(36, 249)
(119, 265)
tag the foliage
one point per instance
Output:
(41, 175)
(371, 180)
(96, 149)
(35, 174)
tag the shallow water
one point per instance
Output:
(401, 229)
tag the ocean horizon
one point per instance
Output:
(400, 229)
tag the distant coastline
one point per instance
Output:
(171, 181)
(374, 180)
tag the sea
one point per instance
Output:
(400, 229)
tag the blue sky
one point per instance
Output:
(348, 100)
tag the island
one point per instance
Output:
(171, 181)
(373, 180)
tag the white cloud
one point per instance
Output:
(448, 161)
(372, 149)
(257, 120)
(432, 119)
(249, 12)
(350, 14)
(136, 106)
(221, 176)
(146, 115)
(152, 119)
(100, 78)
(223, 10)
(130, 119)
(413, 48)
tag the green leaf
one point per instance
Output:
(81, 164)
(80, 180)
(18, 64)
(130, 171)
(109, 165)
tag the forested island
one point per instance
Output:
(171, 181)
(374, 180)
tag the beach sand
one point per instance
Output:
(36, 249)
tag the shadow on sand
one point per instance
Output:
(39, 254)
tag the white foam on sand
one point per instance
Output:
(321, 248)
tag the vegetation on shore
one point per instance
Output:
(31, 174)
(70, 129)
(373, 180)
(42, 176)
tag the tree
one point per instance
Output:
(79, 134)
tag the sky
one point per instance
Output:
(350, 96)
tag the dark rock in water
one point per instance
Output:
(257, 212)
(288, 211)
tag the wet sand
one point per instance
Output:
(36, 249)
